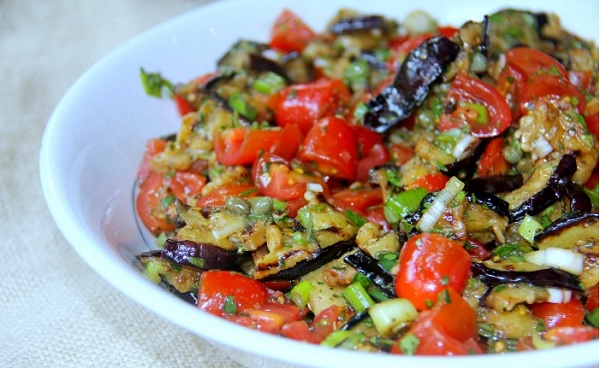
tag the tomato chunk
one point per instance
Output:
(429, 264)
(290, 32)
(569, 314)
(226, 292)
(477, 104)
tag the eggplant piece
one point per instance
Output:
(465, 168)
(369, 267)
(497, 204)
(421, 68)
(545, 277)
(358, 24)
(573, 230)
(200, 255)
(354, 320)
(318, 259)
(260, 64)
(494, 184)
(580, 201)
(554, 190)
(237, 57)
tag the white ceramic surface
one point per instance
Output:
(96, 135)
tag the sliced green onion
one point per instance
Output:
(301, 292)
(402, 204)
(268, 83)
(239, 105)
(358, 297)
(153, 270)
(565, 259)
(409, 344)
(529, 228)
(541, 344)
(356, 74)
(336, 337)
(479, 109)
(389, 315)
(439, 204)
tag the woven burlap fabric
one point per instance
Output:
(54, 310)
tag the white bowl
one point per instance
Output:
(96, 136)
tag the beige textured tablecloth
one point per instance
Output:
(54, 310)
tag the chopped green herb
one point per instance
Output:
(355, 218)
(409, 344)
(166, 201)
(230, 306)
(155, 85)
(592, 318)
(197, 261)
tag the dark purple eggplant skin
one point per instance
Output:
(260, 63)
(180, 252)
(568, 220)
(421, 68)
(580, 201)
(496, 204)
(371, 268)
(550, 277)
(554, 190)
(465, 168)
(494, 184)
(359, 23)
(323, 256)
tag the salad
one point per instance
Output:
(396, 186)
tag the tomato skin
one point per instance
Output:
(275, 178)
(332, 147)
(216, 286)
(149, 207)
(185, 185)
(592, 123)
(431, 182)
(533, 61)
(429, 264)
(219, 196)
(449, 328)
(477, 250)
(304, 104)
(240, 146)
(553, 87)
(153, 147)
(372, 151)
(511, 84)
(329, 320)
(290, 33)
(592, 299)
(357, 200)
(400, 154)
(183, 106)
(464, 89)
(569, 314)
(492, 160)
(571, 335)
(287, 143)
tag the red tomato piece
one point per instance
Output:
(429, 264)
(149, 206)
(153, 147)
(376, 215)
(571, 335)
(372, 151)
(183, 106)
(288, 142)
(492, 160)
(329, 320)
(290, 33)
(275, 178)
(592, 123)
(240, 146)
(357, 200)
(569, 314)
(510, 84)
(533, 61)
(479, 105)
(477, 250)
(449, 328)
(185, 185)
(331, 147)
(304, 104)
(219, 196)
(431, 182)
(400, 154)
(552, 87)
(220, 287)
(402, 46)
